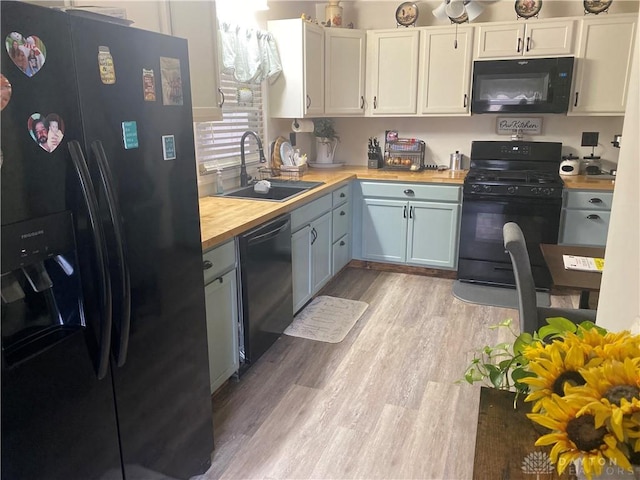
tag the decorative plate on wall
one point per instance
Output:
(596, 6)
(528, 8)
(407, 14)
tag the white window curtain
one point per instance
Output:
(248, 57)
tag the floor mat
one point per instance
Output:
(493, 296)
(326, 319)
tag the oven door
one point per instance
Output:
(482, 257)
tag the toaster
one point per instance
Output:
(570, 167)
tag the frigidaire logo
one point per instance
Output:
(523, 62)
(32, 234)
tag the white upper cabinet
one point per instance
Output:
(392, 66)
(603, 65)
(196, 21)
(445, 70)
(344, 71)
(532, 39)
(299, 90)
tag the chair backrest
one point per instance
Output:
(516, 245)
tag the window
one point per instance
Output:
(218, 143)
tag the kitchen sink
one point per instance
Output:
(279, 191)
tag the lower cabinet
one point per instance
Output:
(311, 249)
(585, 217)
(341, 228)
(221, 297)
(415, 232)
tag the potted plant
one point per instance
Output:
(326, 139)
(584, 383)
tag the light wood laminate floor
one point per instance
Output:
(383, 403)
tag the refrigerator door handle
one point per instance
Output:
(99, 244)
(121, 251)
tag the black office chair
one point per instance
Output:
(532, 317)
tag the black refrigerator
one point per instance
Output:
(104, 354)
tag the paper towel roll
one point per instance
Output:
(302, 126)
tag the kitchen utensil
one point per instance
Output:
(286, 154)
(570, 166)
(455, 160)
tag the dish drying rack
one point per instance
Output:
(283, 173)
(404, 154)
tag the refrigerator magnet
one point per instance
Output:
(130, 135)
(27, 53)
(5, 91)
(148, 85)
(168, 147)
(171, 81)
(46, 131)
(107, 68)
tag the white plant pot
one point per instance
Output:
(325, 149)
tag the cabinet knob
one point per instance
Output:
(221, 97)
(595, 200)
(308, 101)
(207, 264)
(593, 216)
(519, 45)
(361, 102)
(219, 279)
(528, 43)
(342, 244)
(342, 195)
(464, 102)
(575, 104)
(375, 102)
(342, 213)
(404, 212)
(408, 191)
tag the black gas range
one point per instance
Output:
(509, 182)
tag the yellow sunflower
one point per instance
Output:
(575, 437)
(555, 365)
(611, 345)
(612, 394)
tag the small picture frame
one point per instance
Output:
(168, 147)
(526, 125)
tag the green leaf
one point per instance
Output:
(562, 324)
(549, 331)
(523, 340)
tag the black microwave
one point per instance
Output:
(536, 85)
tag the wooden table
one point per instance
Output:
(505, 442)
(587, 282)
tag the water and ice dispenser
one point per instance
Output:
(41, 289)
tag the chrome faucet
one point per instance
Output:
(244, 178)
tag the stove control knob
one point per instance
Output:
(486, 188)
(511, 189)
(535, 190)
(546, 191)
(475, 188)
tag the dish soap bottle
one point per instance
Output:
(219, 184)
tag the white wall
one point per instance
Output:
(619, 304)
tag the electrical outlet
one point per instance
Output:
(590, 139)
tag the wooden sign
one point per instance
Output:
(511, 125)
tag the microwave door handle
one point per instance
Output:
(102, 260)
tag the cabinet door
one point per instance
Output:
(196, 21)
(221, 299)
(433, 234)
(301, 264)
(549, 38)
(584, 227)
(501, 40)
(321, 257)
(603, 66)
(313, 69)
(384, 230)
(341, 253)
(392, 60)
(445, 73)
(344, 71)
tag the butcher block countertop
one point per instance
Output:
(222, 218)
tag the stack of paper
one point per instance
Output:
(587, 264)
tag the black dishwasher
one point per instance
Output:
(267, 287)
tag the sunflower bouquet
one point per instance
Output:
(584, 385)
